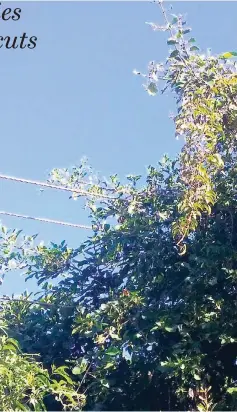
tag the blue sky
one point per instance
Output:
(75, 95)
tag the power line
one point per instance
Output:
(52, 186)
(58, 222)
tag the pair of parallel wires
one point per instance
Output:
(81, 192)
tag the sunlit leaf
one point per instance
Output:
(112, 351)
(228, 55)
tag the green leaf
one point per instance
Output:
(192, 40)
(112, 351)
(186, 31)
(11, 345)
(155, 328)
(76, 370)
(61, 372)
(115, 336)
(228, 55)
(81, 368)
(174, 53)
(232, 390)
(201, 407)
(196, 377)
(109, 365)
(171, 41)
(193, 48)
(152, 89)
(43, 378)
(217, 158)
(20, 406)
(175, 19)
(168, 329)
(104, 383)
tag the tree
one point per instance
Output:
(25, 384)
(144, 312)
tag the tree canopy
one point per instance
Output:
(142, 315)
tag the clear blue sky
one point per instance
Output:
(75, 95)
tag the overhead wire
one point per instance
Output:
(57, 187)
(41, 219)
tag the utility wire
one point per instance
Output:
(58, 222)
(52, 186)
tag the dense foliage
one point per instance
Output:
(144, 313)
(25, 384)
